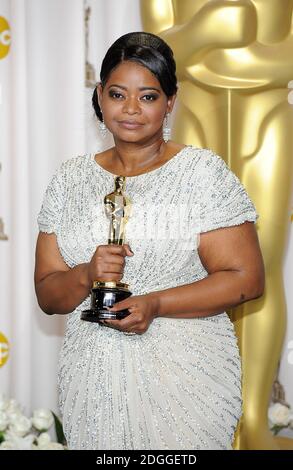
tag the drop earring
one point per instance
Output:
(166, 129)
(103, 129)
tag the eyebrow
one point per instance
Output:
(140, 89)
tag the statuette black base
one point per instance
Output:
(102, 297)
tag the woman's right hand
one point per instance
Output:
(107, 263)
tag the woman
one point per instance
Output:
(174, 382)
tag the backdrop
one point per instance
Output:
(45, 118)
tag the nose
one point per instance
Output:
(131, 106)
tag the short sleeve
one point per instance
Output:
(49, 217)
(224, 200)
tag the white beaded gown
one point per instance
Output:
(178, 385)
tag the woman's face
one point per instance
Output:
(133, 103)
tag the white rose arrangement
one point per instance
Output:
(280, 417)
(17, 432)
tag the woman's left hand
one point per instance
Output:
(143, 309)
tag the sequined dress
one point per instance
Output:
(178, 385)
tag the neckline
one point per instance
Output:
(141, 174)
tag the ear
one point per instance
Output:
(100, 93)
(170, 103)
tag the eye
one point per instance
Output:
(151, 97)
(115, 94)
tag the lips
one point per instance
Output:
(130, 124)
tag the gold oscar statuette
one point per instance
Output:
(106, 293)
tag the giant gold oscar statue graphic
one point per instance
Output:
(234, 60)
(106, 294)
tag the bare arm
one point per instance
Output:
(233, 259)
(59, 288)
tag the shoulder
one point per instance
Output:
(207, 158)
(74, 168)
(204, 155)
(75, 163)
(204, 161)
(209, 163)
(209, 172)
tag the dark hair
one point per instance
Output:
(148, 50)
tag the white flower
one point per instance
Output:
(42, 419)
(7, 445)
(279, 415)
(21, 433)
(53, 446)
(16, 442)
(13, 411)
(13, 417)
(20, 425)
(4, 420)
(44, 439)
(13, 407)
(44, 443)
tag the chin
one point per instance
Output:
(130, 138)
